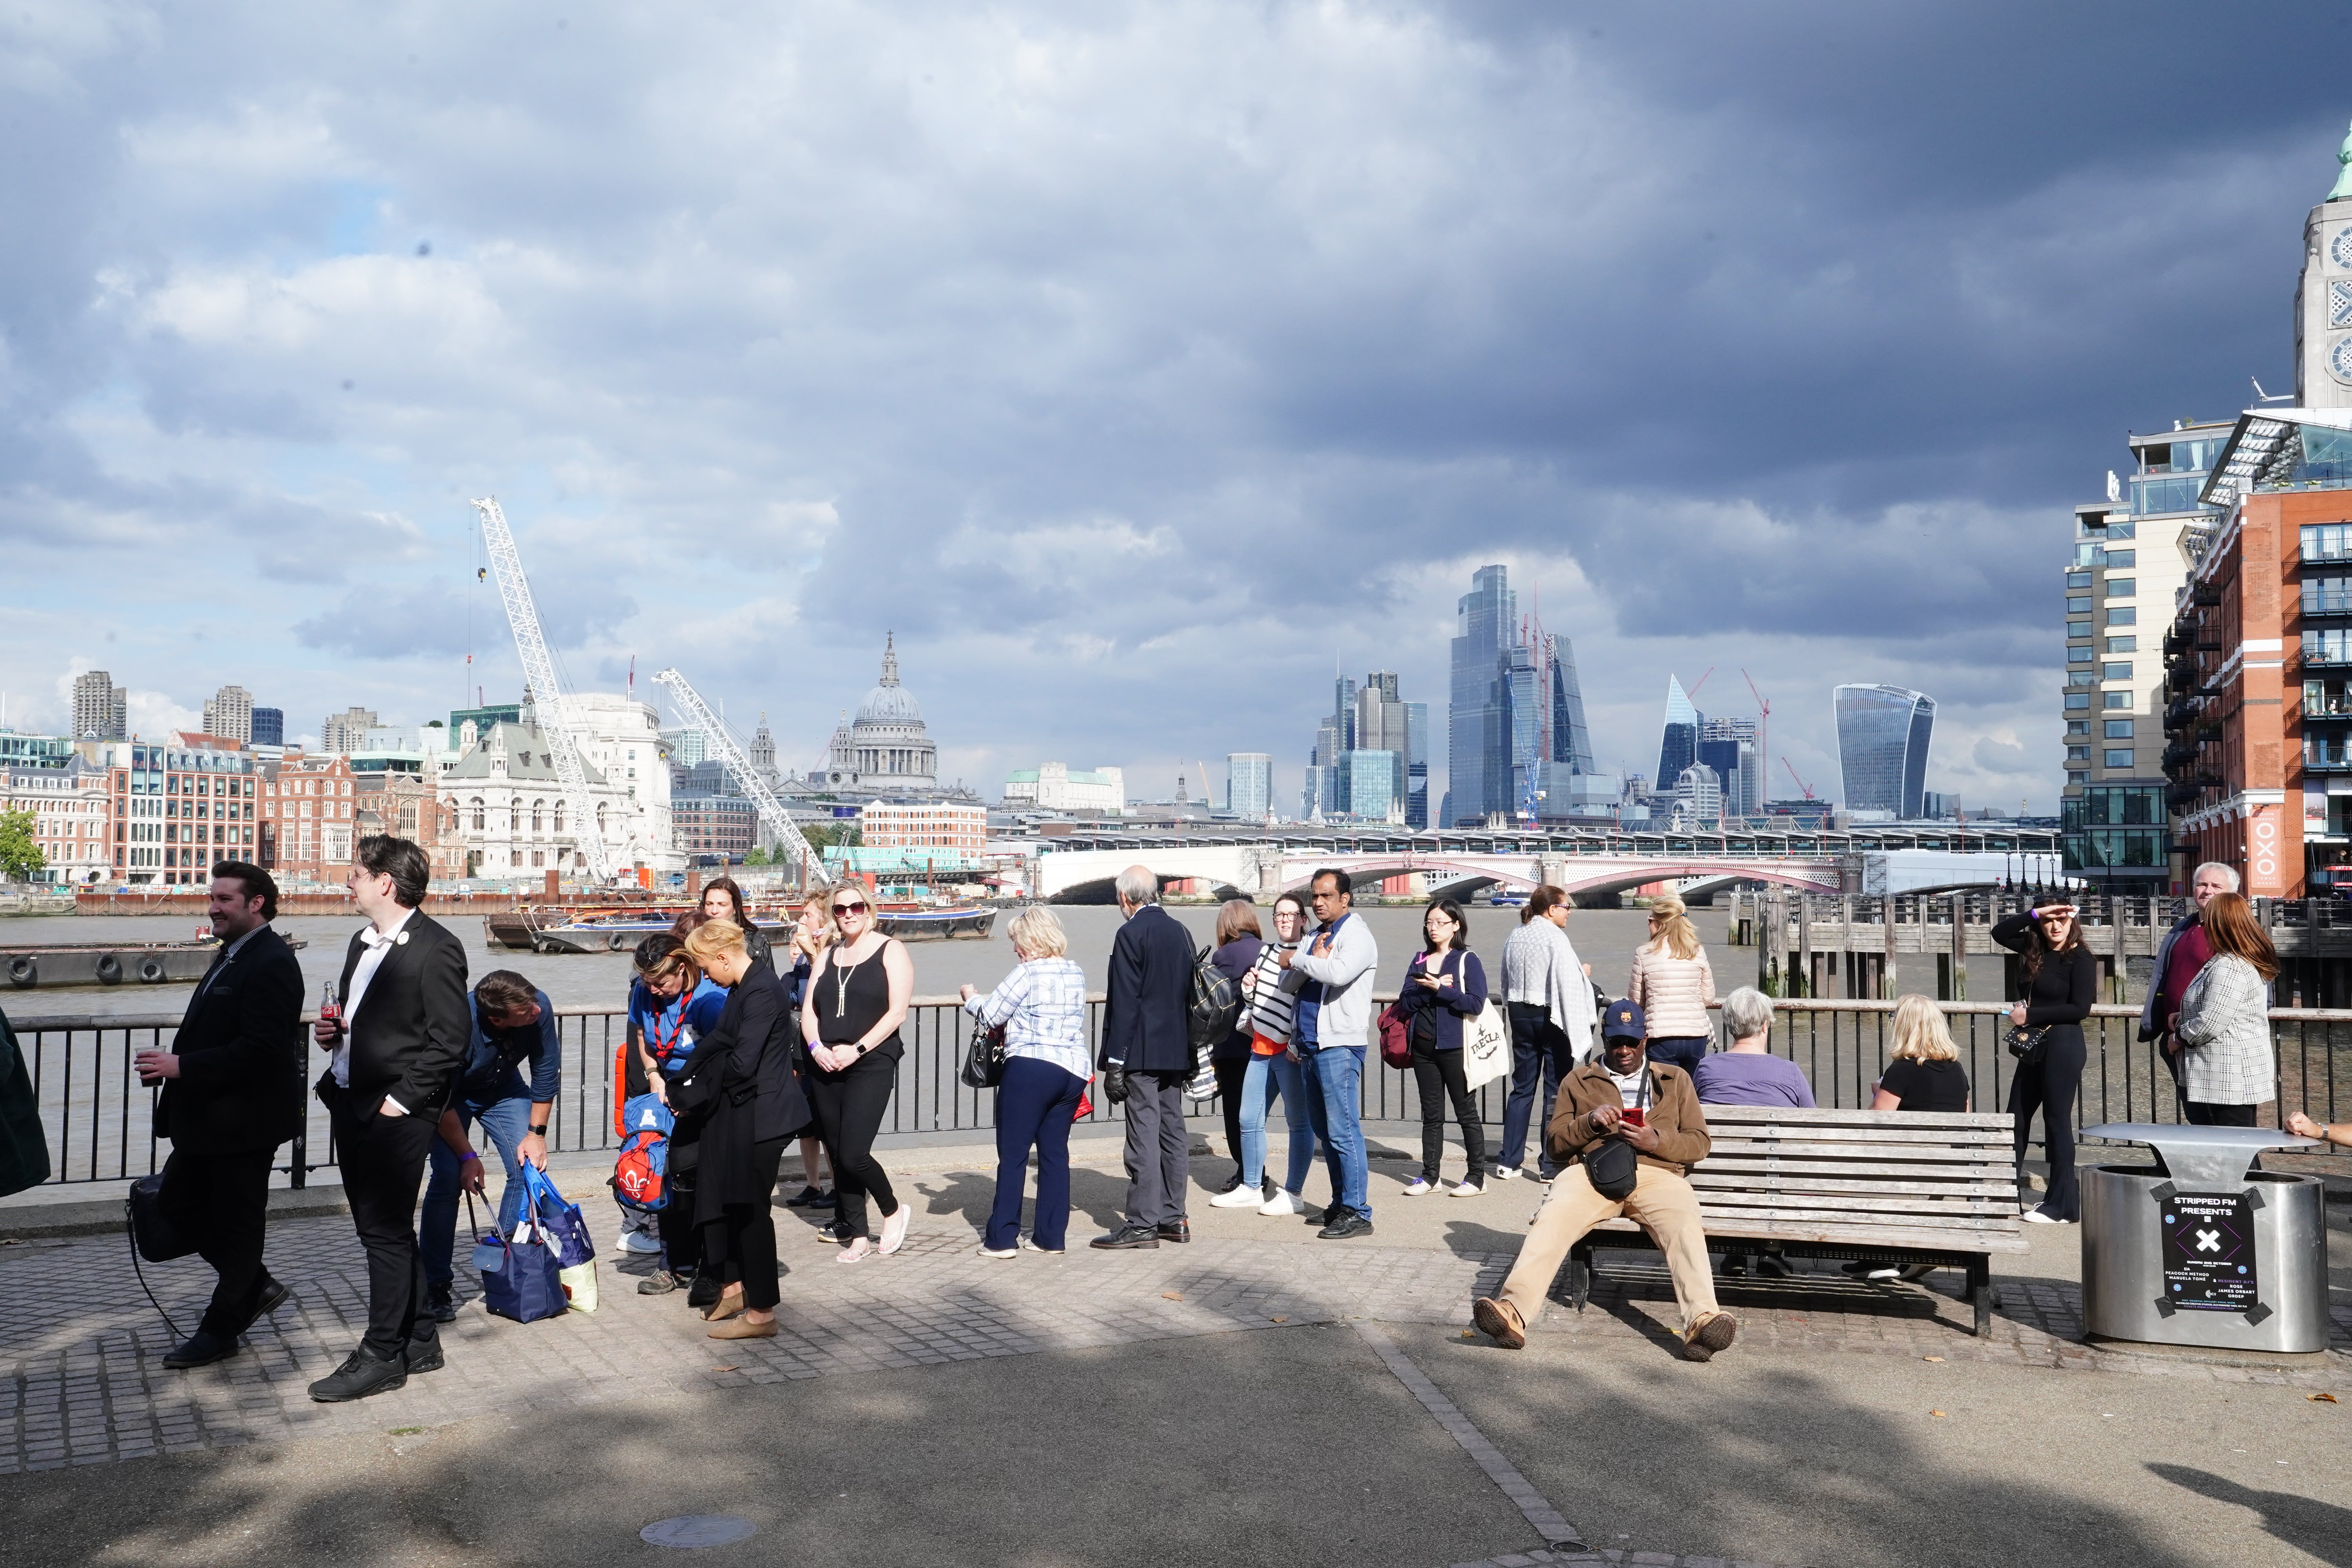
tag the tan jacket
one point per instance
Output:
(1683, 1140)
(1673, 993)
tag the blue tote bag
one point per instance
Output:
(561, 1219)
(526, 1285)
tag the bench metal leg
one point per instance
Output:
(1580, 1276)
(1980, 1291)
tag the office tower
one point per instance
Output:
(229, 713)
(1382, 724)
(101, 708)
(1883, 734)
(686, 746)
(1572, 741)
(268, 726)
(1678, 741)
(1477, 741)
(1698, 795)
(1249, 784)
(1366, 784)
(346, 732)
(1728, 746)
(1416, 765)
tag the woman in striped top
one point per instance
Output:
(1273, 1070)
(1042, 1008)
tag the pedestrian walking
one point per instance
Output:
(1273, 1072)
(1331, 977)
(1547, 998)
(671, 1004)
(399, 1034)
(742, 1071)
(722, 900)
(1444, 989)
(1147, 1055)
(226, 1105)
(2059, 979)
(513, 1023)
(1673, 985)
(2181, 957)
(1042, 1008)
(2229, 1065)
(1239, 941)
(858, 997)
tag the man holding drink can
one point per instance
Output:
(1619, 1105)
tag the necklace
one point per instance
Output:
(841, 974)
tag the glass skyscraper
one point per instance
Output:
(1416, 764)
(1477, 741)
(1882, 734)
(1678, 740)
(1249, 784)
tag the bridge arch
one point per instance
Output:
(1617, 878)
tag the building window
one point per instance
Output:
(2078, 606)
(2126, 559)
(2114, 699)
(478, 822)
(2081, 678)
(2327, 542)
(2118, 729)
(2076, 780)
(2122, 587)
(2078, 579)
(2114, 672)
(2078, 754)
(2084, 655)
(2123, 645)
(2122, 615)
(2080, 630)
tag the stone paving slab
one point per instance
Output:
(81, 1380)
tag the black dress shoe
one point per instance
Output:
(363, 1373)
(810, 1198)
(422, 1354)
(200, 1349)
(1128, 1236)
(1349, 1223)
(703, 1292)
(273, 1295)
(1176, 1230)
(441, 1301)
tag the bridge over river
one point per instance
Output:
(1079, 868)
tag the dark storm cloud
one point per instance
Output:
(1103, 355)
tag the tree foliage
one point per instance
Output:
(20, 854)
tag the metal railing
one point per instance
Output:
(100, 1123)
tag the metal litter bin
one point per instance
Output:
(2204, 1250)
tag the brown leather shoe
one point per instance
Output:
(1712, 1334)
(743, 1329)
(729, 1304)
(1499, 1321)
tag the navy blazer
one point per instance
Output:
(1147, 1000)
(1450, 1010)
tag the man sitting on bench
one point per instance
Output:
(1622, 1097)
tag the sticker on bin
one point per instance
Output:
(2209, 1252)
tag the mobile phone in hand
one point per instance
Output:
(1635, 1116)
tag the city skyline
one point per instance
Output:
(261, 358)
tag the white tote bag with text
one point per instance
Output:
(1485, 1045)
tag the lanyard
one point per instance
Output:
(663, 1045)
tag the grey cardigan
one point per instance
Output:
(1540, 966)
(2225, 1036)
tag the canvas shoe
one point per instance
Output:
(1284, 1202)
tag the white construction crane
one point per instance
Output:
(721, 743)
(555, 710)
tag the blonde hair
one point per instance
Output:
(713, 939)
(1036, 932)
(1677, 935)
(1920, 1033)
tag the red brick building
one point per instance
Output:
(309, 815)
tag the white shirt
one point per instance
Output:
(1630, 1086)
(378, 943)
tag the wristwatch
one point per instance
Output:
(539, 1131)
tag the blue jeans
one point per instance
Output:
(1035, 1103)
(1684, 1051)
(507, 1122)
(1269, 1076)
(1335, 1083)
(1541, 1055)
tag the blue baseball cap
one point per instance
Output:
(1624, 1018)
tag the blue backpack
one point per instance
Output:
(641, 1174)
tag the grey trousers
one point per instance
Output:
(1158, 1158)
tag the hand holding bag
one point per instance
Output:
(528, 1284)
(1485, 1045)
(984, 1059)
(561, 1219)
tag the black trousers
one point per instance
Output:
(743, 1241)
(1439, 1077)
(221, 1202)
(681, 1238)
(383, 1161)
(2205, 1114)
(2050, 1086)
(1229, 1096)
(848, 1107)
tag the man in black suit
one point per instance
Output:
(398, 1042)
(232, 1093)
(1147, 1054)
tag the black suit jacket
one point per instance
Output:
(1147, 1003)
(409, 1037)
(240, 1049)
(748, 1060)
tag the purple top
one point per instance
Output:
(1736, 1077)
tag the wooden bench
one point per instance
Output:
(1881, 1186)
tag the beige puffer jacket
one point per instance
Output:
(1673, 993)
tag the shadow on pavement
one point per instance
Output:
(2306, 1525)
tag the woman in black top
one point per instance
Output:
(723, 900)
(2060, 981)
(857, 999)
(1444, 992)
(742, 1073)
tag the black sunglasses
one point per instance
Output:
(848, 908)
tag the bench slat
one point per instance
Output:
(1830, 1176)
(1968, 1153)
(1795, 1116)
(1977, 1168)
(1838, 1234)
(1861, 1204)
(1935, 1138)
(1706, 1182)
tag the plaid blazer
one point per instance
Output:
(2225, 1034)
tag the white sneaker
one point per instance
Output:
(2035, 1216)
(1506, 1172)
(1283, 1202)
(638, 1241)
(1465, 1190)
(1419, 1187)
(1239, 1198)
(1000, 1251)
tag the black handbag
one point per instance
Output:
(1613, 1166)
(151, 1230)
(984, 1059)
(2025, 1044)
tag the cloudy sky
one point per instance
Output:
(1134, 363)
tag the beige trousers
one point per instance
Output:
(1661, 1203)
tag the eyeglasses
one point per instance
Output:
(840, 910)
